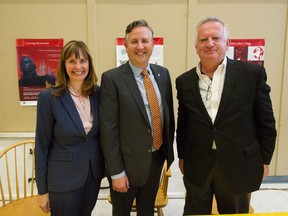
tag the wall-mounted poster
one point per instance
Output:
(37, 61)
(156, 57)
(252, 50)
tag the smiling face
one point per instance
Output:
(77, 68)
(139, 46)
(211, 44)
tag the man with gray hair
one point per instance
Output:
(226, 127)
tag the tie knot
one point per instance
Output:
(144, 72)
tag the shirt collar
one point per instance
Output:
(137, 71)
(222, 66)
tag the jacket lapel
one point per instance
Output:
(229, 82)
(162, 88)
(72, 111)
(132, 85)
(158, 78)
(197, 95)
(95, 111)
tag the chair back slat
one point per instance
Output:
(2, 193)
(32, 170)
(16, 174)
(8, 177)
(24, 171)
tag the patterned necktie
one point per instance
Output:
(154, 109)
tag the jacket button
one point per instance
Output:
(214, 129)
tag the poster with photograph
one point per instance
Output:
(37, 61)
(156, 58)
(251, 50)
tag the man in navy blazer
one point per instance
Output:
(226, 128)
(133, 165)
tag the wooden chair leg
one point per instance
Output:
(160, 212)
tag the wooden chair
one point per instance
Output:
(17, 181)
(215, 211)
(161, 197)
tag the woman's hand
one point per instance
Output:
(44, 203)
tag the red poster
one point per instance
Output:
(37, 61)
(252, 50)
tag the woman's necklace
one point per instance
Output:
(74, 94)
(79, 96)
(82, 103)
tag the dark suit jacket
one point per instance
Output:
(63, 150)
(244, 128)
(125, 130)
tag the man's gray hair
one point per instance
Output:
(214, 19)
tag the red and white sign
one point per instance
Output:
(251, 50)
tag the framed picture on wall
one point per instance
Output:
(37, 61)
(252, 50)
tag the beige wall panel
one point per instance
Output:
(100, 22)
(282, 158)
(35, 19)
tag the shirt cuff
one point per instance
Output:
(113, 177)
